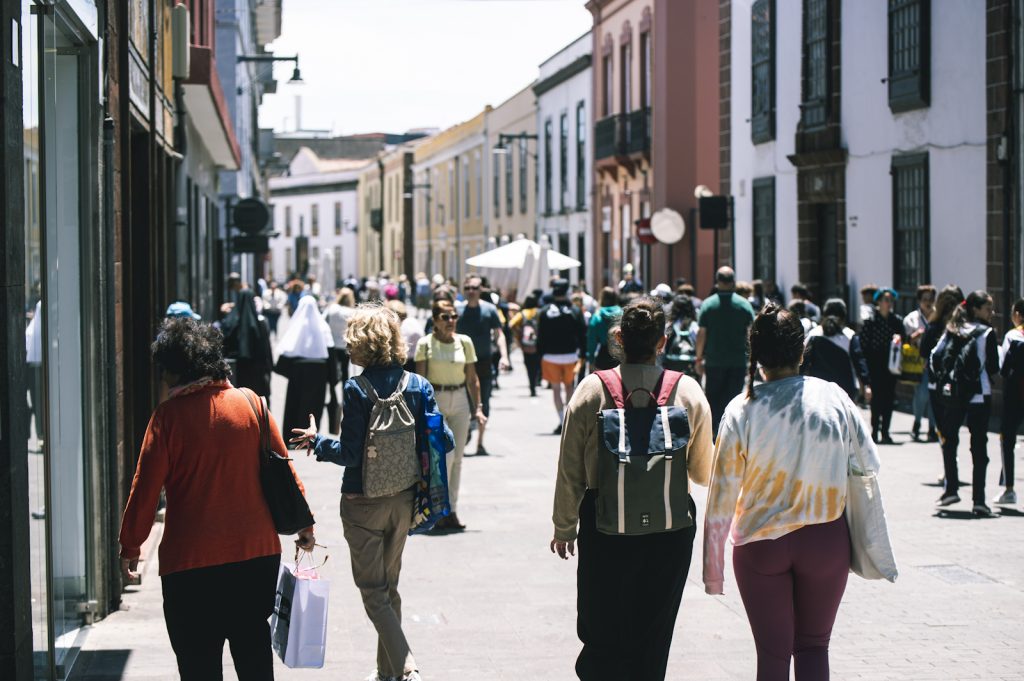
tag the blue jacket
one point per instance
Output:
(347, 450)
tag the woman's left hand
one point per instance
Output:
(304, 436)
(480, 418)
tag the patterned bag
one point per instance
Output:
(390, 461)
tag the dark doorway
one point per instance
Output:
(828, 251)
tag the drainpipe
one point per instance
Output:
(1007, 159)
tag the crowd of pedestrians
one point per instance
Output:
(756, 398)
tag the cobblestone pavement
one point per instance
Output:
(493, 603)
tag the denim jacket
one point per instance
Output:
(347, 450)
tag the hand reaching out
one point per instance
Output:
(304, 436)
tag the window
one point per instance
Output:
(337, 218)
(287, 220)
(496, 191)
(302, 225)
(626, 66)
(523, 154)
(563, 161)
(508, 181)
(548, 188)
(816, 64)
(762, 67)
(606, 86)
(315, 261)
(337, 265)
(467, 198)
(581, 148)
(453, 204)
(289, 264)
(764, 228)
(909, 54)
(479, 170)
(645, 69)
(910, 223)
(314, 220)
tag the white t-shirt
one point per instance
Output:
(337, 318)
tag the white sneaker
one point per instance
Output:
(1007, 498)
(412, 676)
(375, 676)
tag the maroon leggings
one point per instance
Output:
(791, 588)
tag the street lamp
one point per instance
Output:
(265, 58)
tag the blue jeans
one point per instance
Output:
(922, 404)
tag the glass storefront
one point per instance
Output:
(56, 65)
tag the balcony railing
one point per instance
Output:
(638, 131)
(609, 137)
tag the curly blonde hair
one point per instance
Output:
(374, 337)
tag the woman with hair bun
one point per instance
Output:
(876, 338)
(629, 586)
(778, 489)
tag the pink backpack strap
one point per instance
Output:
(613, 384)
(668, 382)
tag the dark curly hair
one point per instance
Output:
(682, 307)
(191, 350)
(776, 341)
(643, 325)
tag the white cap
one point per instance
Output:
(661, 290)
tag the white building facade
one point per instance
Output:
(881, 180)
(564, 91)
(317, 200)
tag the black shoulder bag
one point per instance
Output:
(288, 508)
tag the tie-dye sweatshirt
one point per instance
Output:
(781, 462)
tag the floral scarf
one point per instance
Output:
(196, 386)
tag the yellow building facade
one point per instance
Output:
(370, 220)
(448, 197)
(512, 163)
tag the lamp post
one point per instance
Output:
(270, 58)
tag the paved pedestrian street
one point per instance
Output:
(494, 603)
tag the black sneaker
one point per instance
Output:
(948, 500)
(980, 510)
(558, 430)
(480, 451)
(915, 432)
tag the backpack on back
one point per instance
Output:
(681, 352)
(956, 370)
(641, 470)
(390, 461)
(529, 335)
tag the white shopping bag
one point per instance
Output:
(299, 623)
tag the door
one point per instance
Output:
(828, 252)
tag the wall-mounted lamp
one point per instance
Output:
(296, 78)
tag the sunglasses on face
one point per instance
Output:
(470, 288)
(448, 317)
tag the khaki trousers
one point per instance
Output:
(454, 405)
(376, 530)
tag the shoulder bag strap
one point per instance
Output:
(265, 425)
(613, 384)
(259, 419)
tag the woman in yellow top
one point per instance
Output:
(780, 474)
(524, 328)
(448, 360)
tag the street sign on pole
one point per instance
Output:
(251, 216)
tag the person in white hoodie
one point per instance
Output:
(964, 384)
(305, 348)
(1011, 366)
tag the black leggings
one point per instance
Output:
(205, 606)
(883, 399)
(1013, 414)
(977, 415)
(532, 362)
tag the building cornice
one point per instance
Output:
(578, 66)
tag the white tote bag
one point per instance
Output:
(871, 555)
(896, 357)
(299, 624)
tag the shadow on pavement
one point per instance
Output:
(959, 515)
(100, 665)
(1010, 512)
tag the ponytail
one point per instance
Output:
(776, 341)
(966, 312)
(751, 376)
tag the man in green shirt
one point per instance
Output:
(724, 320)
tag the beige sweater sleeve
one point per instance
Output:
(700, 453)
(579, 435)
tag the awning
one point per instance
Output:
(208, 111)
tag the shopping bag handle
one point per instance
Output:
(309, 554)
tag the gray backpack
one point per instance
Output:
(642, 484)
(390, 462)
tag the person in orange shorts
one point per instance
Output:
(562, 344)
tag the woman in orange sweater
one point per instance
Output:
(220, 553)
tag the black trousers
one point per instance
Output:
(485, 374)
(307, 393)
(206, 606)
(532, 362)
(628, 595)
(883, 399)
(1013, 414)
(721, 384)
(977, 423)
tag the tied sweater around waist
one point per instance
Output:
(203, 449)
(781, 463)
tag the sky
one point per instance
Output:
(395, 65)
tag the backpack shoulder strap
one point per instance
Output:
(367, 387)
(667, 383)
(613, 384)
